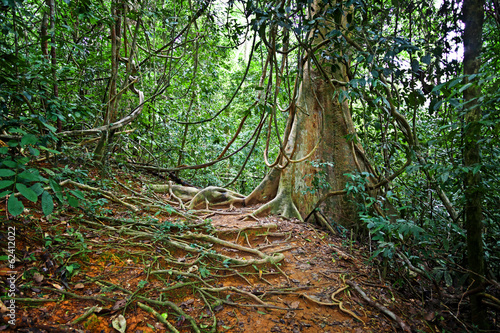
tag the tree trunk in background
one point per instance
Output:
(473, 17)
(111, 109)
(320, 120)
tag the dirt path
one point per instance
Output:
(77, 272)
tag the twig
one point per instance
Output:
(90, 311)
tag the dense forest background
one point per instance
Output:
(206, 93)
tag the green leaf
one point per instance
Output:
(447, 278)
(5, 193)
(47, 203)
(49, 172)
(77, 194)
(34, 151)
(27, 192)
(4, 150)
(50, 150)
(29, 175)
(51, 128)
(5, 183)
(37, 188)
(464, 87)
(28, 139)
(10, 164)
(6, 173)
(57, 189)
(415, 65)
(72, 201)
(15, 206)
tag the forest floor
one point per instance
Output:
(104, 267)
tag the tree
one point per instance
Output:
(473, 18)
(320, 152)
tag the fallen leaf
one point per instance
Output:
(3, 308)
(119, 304)
(79, 286)
(58, 287)
(119, 324)
(430, 316)
(295, 305)
(185, 304)
(38, 277)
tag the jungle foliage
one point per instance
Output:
(217, 79)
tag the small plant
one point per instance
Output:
(319, 178)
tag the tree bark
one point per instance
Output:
(473, 17)
(320, 128)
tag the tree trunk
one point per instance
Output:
(321, 124)
(473, 17)
(111, 110)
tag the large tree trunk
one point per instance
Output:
(321, 125)
(473, 17)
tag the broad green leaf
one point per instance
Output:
(72, 201)
(37, 188)
(6, 173)
(47, 203)
(29, 176)
(5, 183)
(5, 193)
(27, 192)
(28, 139)
(15, 206)
(10, 164)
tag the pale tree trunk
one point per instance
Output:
(473, 17)
(320, 125)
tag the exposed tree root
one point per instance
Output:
(380, 307)
(185, 193)
(281, 205)
(216, 196)
(158, 316)
(85, 315)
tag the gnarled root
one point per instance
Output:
(216, 196)
(282, 205)
(185, 193)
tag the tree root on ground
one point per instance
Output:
(158, 316)
(216, 196)
(380, 307)
(281, 205)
